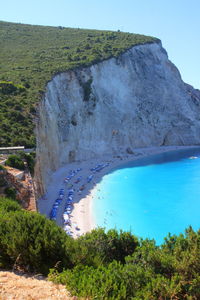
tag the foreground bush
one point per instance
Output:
(31, 241)
(99, 247)
(171, 271)
(8, 205)
(98, 283)
(38, 244)
(99, 265)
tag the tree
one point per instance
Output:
(15, 161)
(34, 241)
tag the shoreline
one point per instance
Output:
(82, 216)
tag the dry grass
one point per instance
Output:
(24, 287)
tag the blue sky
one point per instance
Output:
(175, 22)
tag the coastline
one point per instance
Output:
(81, 215)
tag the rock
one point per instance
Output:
(129, 150)
(135, 100)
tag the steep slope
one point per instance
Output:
(30, 55)
(135, 100)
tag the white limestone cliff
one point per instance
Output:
(135, 100)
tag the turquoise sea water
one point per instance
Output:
(151, 196)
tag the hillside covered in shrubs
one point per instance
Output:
(100, 265)
(30, 55)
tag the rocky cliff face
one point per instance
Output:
(135, 100)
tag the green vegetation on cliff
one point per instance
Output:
(17, 161)
(31, 55)
(99, 265)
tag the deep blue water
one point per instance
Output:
(152, 196)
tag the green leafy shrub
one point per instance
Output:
(29, 158)
(15, 161)
(2, 168)
(112, 245)
(97, 283)
(169, 271)
(35, 242)
(96, 265)
(8, 87)
(8, 205)
(10, 192)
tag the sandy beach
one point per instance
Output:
(81, 216)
